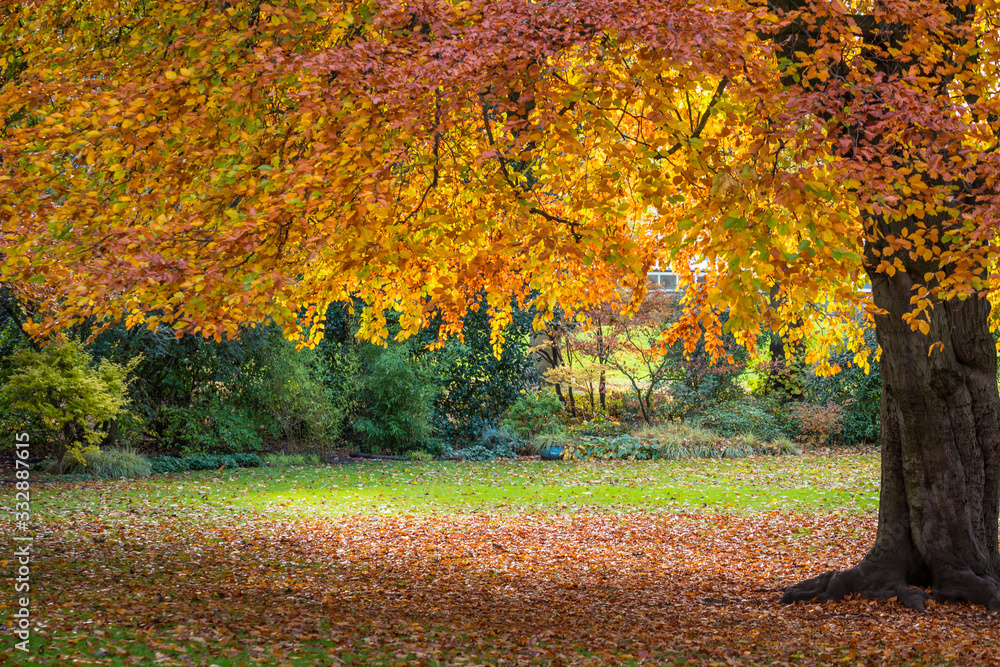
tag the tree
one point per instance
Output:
(631, 345)
(206, 164)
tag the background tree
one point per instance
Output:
(204, 165)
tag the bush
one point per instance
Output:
(164, 464)
(859, 393)
(600, 425)
(293, 392)
(618, 447)
(230, 396)
(12, 339)
(278, 460)
(534, 413)
(748, 415)
(701, 382)
(61, 389)
(817, 422)
(111, 463)
(476, 388)
(493, 444)
(394, 408)
(214, 423)
(624, 407)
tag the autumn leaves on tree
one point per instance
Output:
(207, 164)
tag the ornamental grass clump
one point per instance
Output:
(108, 464)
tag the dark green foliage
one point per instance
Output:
(231, 396)
(761, 417)
(534, 413)
(499, 439)
(475, 387)
(216, 423)
(394, 403)
(164, 464)
(494, 444)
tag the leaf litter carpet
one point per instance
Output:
(499, 589)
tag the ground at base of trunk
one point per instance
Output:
(880, 583)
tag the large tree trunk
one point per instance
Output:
(940, 493)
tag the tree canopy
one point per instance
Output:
(206, 164)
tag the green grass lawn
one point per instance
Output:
(504, 563)
(804, 483)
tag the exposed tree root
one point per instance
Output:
(865, 579)
(967, 586)
(873, 582)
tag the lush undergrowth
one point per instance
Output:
(518, 562)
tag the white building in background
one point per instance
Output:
(668, 279)
(658, 275)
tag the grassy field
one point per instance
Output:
(518, 562)
(392, 487)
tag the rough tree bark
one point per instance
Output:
(940, 488)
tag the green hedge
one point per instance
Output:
(162, 464)
(627, 447)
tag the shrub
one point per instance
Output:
(293, 392)
(858, 392)
(279, 460)
(534, 413)
(493, 444)
(394, 408)
(62, 390)
(600, 425)
(747, 415)
(214, 423)
(163, 464)
(817, 422)
(499, 439)
(205, 396)
(476, 387)
(618, 447)
(624, 407)
(110, 463)
(420, 455)
(12, 339)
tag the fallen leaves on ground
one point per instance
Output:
(589, 589)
